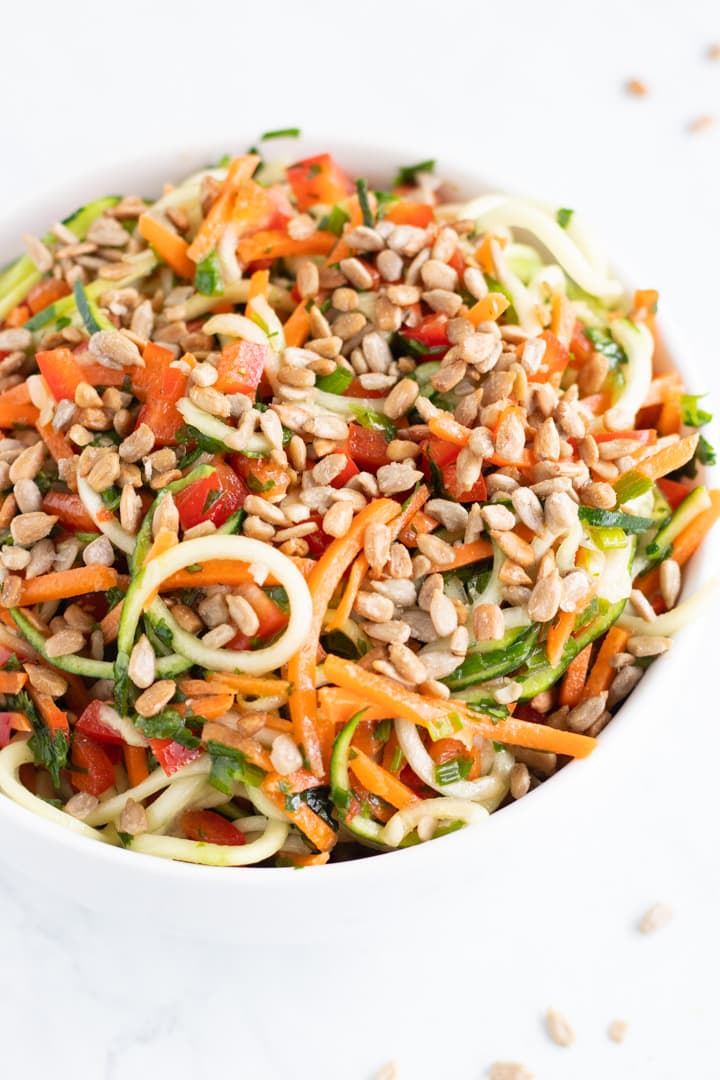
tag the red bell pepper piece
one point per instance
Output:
(214, 498)
(367, 448)
(241, 368)
(69, 509)
(61, 372)
(90, 723)
(318, 179)
(443, 455)
(210, 828)
(46, 292)
(98, 772)
(171, 756)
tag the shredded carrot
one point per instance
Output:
(297, 327)
(12, 682)
(464, 555)
(16, 395)
(136, 765)
(488, 309)
(21, 415)
(110, 624)
(563, 319)
(558, 636)
(601, 674)
(251, 748)
(295, 858)
(407, 514)
(169, 245)
(218, 216)
(662, 387)
(63, 584)
(379, 781)
(686, 544)
(259, 285)
(55, 718)
(340, 616)
(55, 441)
(444, 426)
(252, 685)
(18, 316)
(573, 681)
(164, 540)
(483, 252)
(420, 525)
(340, 705)
(670, 418)
(321, 835)
(669, 458)
(373, 689)
(211, 707)
(19, 722)
(214, 572)
(322, 582)
(273, 244)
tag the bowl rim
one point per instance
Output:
(551, 796)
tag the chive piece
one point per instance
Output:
(83, 305)
(281, 133)
(42, 318)
(335, 220)
(208, 276)
(407, 174)
(629, 486)
(563, 217)
(336, 383)
(362, 190)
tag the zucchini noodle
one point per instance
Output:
(170, 847)
(109, 526)
(404, 821)
(489, 790)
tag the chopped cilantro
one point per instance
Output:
(705, 455)
(188, 434)
(168, 724)
(258, 486)
(563, 217)
(231, 766)
(603, 343)
(49, 748)
(407, 174)
(213, 496)
(384, 199)
(692, 414)
(335, 220)
(367, 214)
(208, 276)
(163, 633)
(111, 497)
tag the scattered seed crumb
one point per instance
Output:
(636, 87)
(509, 1070)
(617, 1031)
(559, 1029)
(389, 1072)
(713, 52)
(700, 124)
(655, 918)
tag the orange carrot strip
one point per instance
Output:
(420, 525)
(464, 554)
(395, 700)
(211, 707)
(601, 674)
(669, 458)
(297, 327)
(55, 441)
(218, 216)
(16, 395)
(417, 501)
(327, 574)
(169, 245)
(295, 858)
(379, 781)
(136, 764)
(12, 682)
(445, 426)
(488, 309)
(558, 636)
(164, 540)
(214, 572)
(563, 319)
(22, 415)
(55, 718)
(110, 624)
(63, 584)
(273, 244)
(19, 722)
(306, 820)
(573, 682)
(685, 544)
(670, 419)
(259, 284)
(253, 685)
(340, 705)
(341, 614)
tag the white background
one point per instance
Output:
(531, 94)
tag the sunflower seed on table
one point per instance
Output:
(559, 1029)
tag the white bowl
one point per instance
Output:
(475, 868)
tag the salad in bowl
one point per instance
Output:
(333, 518)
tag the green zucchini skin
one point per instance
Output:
(75, 665)
(544, 676)
(480, 667)
(340, 792)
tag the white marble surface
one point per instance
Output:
(532, 93)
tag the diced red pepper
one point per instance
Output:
(457, 261)
(346, 475)
(90, 723)
(444, 456)
(430, 331)
(214, 498)
(46, 292)
(61, 372)
(356, 389)
(581, 347)
(162, 386)
(555, 358)
(241, 367)
(98, 771)
(5, 722)
(271, 617)
(69, 509)
(318, 542)
(318, 179)
(526, 712)
(210, 828)
(673, 491)
(171, 756)
(367, 448)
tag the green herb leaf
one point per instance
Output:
(334, 221)
(168, 724)
(367, 214)
(258, 486)
(281, 133)
(188, 434)
(111, 497)
(375, 421)
(208, 276)
(407, 174)
(49, 748)
(704, 455)
(164, 633)
(213, 496)
(41, 319)
(563, 217)
(692, 414)
(604, 343)
(231, 766)
(384, 200)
